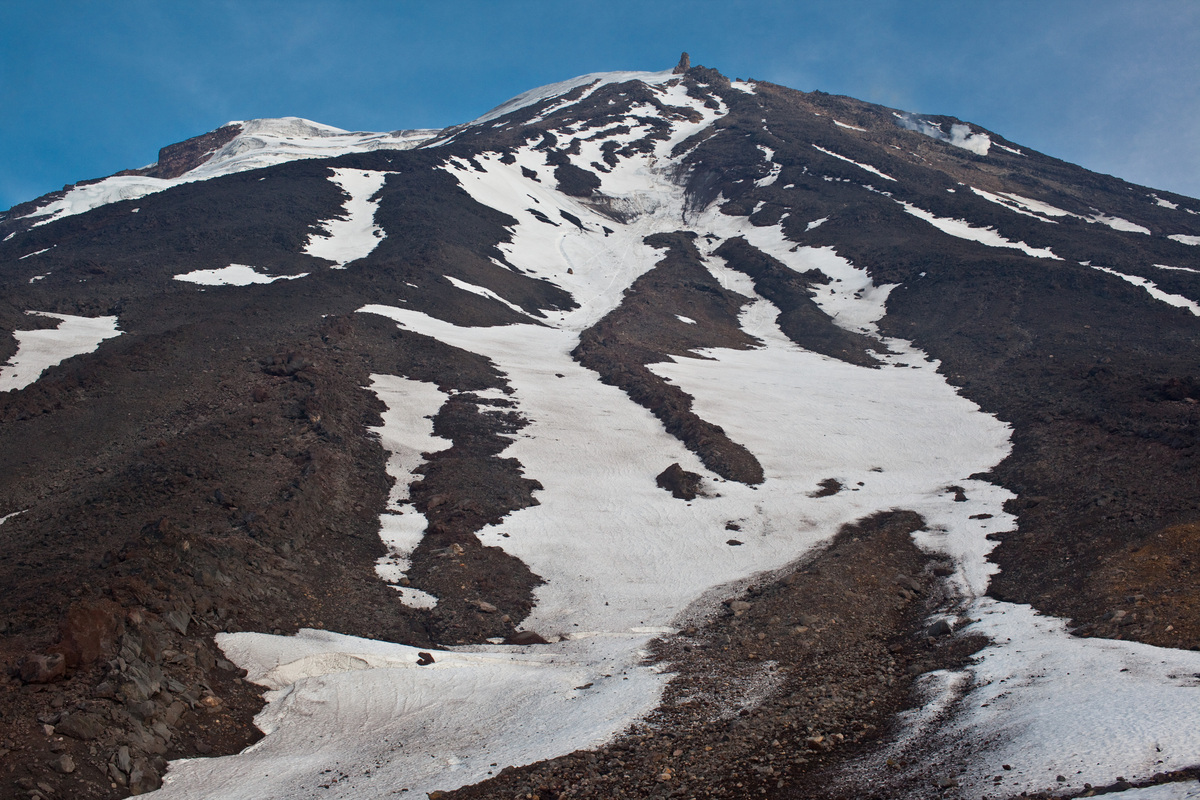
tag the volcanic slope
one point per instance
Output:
(535, 436)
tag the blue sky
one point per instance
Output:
(91, 87)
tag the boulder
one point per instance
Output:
(43, 668)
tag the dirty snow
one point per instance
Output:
(355, 235)
(233, 275)
(1181, 790)
(39, 350)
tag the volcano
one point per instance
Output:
(651, 435)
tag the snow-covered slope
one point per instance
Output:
(259, 143)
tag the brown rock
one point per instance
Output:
(90, 631)
(526, 638)
(43, 668)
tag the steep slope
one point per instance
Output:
(523, 401)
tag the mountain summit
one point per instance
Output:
(651, 435)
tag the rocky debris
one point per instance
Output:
(679, 482)
(797, 677)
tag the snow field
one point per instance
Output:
(1039, 699)
(355, 718)
(551, 90)
(355, 235)
(39, 350)
(1088, 709)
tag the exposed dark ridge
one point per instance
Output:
(644, 329)
(800, 318)
(464, 488)
(176, 159)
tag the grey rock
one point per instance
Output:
(81, 726)
(939, 628)
(124, 761)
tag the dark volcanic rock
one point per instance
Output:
(679, 482)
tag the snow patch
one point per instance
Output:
(1183, 238)
(867, 167)
(1164, 203)
(1118, 224)
(484, 292)
(1158, 294)
(964, 230)
(1009, 203)
(39, 350)
(355, 235)
(406, 434)
(233, 275)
